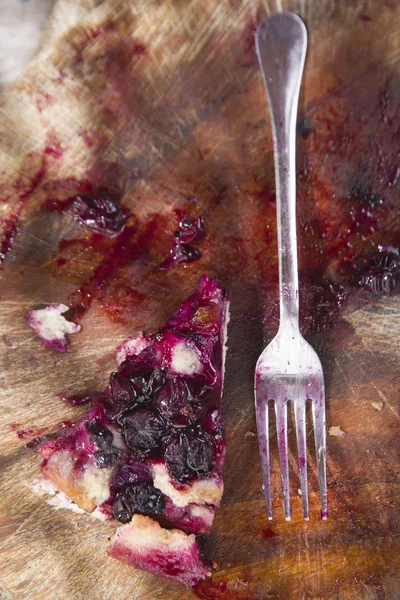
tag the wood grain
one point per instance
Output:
(164, 103)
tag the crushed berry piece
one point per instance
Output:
(102, 214)
(383, 275)
(182, 251)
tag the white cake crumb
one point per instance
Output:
(377, 405)
(132, 346)
(185, 360)
(336, 431)
(249, 434)
(51, 327)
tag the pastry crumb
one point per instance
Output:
(249, 434)
(336, 431)
(51, 327)
(299, 492)
(377, 405)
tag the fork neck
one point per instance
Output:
(284, 133)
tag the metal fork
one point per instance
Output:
(288, 369)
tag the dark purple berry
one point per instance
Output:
(145, 499)
(146, 388)
(122, 390)
(177, 403)
(383, 275)
(99, 435)
(102, 214)
(133, 471)
(142, 429)
(107, 458)
(121, 510)
(142, 498)
(173, 396)
(189, 232)
(182, 252)
(189, 453)
(199, 455)
(175, 455)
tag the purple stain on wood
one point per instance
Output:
(7, 341)
(9, 233)
(75, 400)
(269, 533)
(54, 151)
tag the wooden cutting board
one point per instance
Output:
(163, 103)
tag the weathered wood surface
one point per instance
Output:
(164, 102)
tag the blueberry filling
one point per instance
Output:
(141, 498)
(158, 409)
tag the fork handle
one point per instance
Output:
(281, 44)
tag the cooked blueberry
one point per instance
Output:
(146, 388)
(141, 498)
(189, 232)
(107, 458)
(133, 471)
(383, 275)
(189, 453)
(173, 396)
(142, 429)
(182, 251)
(122, 390)
(121, 510)
(145, 499)
(175, 455)
(99, 435)
(102, 213)
(155, 382)
(199, 454)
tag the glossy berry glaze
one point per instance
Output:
(158, 417)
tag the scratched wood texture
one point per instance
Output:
(164, 102)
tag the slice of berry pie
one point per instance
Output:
(149, 453)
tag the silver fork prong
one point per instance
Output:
(281, 428)
(263, 440)
(318, 410)
(300, 417)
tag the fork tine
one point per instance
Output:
(281, 428)
(318, 410)
(300, 416)
(263, 439)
